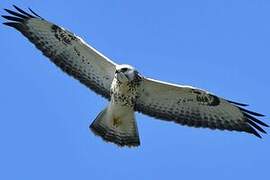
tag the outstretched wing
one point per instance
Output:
(66, 50)
(194, 107)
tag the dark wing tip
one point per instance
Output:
(17, 19)
(23, 12)
(20, 15)
(253, 131)
(251, 112)
(35, 13)
(255, 120)
(13, 18)
(12, 24)
(257, 134)
(253, 124)
(237, 103)
(16, 14)
(251, 121)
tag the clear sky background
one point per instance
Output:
(221, 46)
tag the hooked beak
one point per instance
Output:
(121, 76)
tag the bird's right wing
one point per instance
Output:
(66, 50)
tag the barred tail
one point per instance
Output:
(119, 130)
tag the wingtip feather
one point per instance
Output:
(34, 13)
(255, 120)
(23, 12)
(12, 24)
(254, 132)
(255, 126)
(16, 14)
(251, 112)
(12, 18)
(237, 103)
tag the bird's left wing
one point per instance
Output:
(66, 50)
(194, 107)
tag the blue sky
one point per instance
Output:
(221, 46)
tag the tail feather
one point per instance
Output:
(124, 133)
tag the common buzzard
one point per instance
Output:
(127, 90)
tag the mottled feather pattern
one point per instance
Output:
(66, 50)
(194, 107)
(124, 94)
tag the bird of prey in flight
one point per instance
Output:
(127, 90)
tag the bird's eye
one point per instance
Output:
(124, 69)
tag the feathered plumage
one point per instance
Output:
(127, 90)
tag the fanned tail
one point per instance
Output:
(119, 130)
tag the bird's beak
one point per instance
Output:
(121, 76)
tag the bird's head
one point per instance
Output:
(126, 73)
